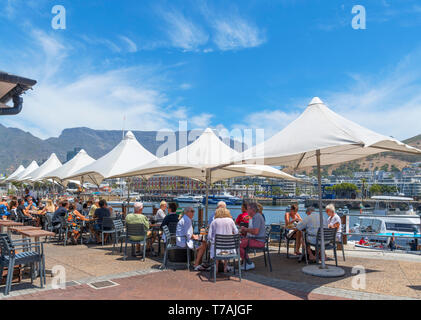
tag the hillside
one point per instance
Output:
(397, 159)
(20, 147)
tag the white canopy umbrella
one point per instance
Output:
(318, 137)
(19, 170)
(82, 159)
(51, 164)
(126, 156)
(202, 160)
(33, 166)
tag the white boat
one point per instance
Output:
(389, 205)
(189, 198)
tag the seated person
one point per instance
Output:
(4, 202)
(160, 214)
(23, 213)
(94, 206)
(311, 223)
(61, 212)
(334, 221)
(221, 204)
(255, 234)
(222, 224)
(291, 219)
(243, 219)
(139, 218)
(13, 214)
(185, 237)
(99, 214)
(171, 217)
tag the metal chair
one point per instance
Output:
(330, 242)
(119, 233)
(171, 244)
(264, 249)
(342, 240)
(107, 227)
(135, 230)
(229, 244)
(31, 253)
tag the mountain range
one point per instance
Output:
(20, 147)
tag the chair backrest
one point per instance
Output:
(227, 242)
(107, 222)
(135, 229)
(6, 245)
(329, 235)
(118, 225)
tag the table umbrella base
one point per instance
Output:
(329, 272)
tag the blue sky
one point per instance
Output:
(223, 64)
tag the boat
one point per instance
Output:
(379, 230)
(229, 199)
(189, 198)
(391, 205)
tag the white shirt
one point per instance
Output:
(184, 228)
(223, 226)
(333, 220)
(311, 223)
(160, 214)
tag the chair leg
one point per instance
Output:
(264, 257)
(287, 242)
(144, 250)
(336, 257)
(9, 277)
(125, 251)
(165, 258)
(102, 238)
(279, 245)
(239, 267)
(188, 258)
(270, 264)
(343, 251)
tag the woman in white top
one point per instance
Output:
(160, 214)
(334, 221)
(222, 224)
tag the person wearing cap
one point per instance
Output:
(139, 218)
(311, 223)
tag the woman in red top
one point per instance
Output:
(243, 217)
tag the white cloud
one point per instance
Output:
(131, 46)
(234, 32)
(183, 32)
(201, 121)
(97, 100)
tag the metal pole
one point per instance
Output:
(207, 192)
(319, 178)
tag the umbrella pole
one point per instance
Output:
(207, 192)
(319, 180)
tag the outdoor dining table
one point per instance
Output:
(20, 228)
(36, 234)
(9, 223)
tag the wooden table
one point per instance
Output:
(20, 228)
(9, 223)
(36, 234)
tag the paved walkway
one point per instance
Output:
(170, 285)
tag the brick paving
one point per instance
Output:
(388, 277)
(178, 285)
